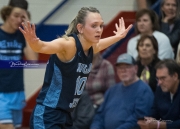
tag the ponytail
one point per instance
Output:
(71, 29)
(79, 19)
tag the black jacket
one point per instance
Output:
(174, 35)
(152, 80)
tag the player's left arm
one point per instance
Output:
(120, 33)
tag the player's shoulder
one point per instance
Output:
(66, 42)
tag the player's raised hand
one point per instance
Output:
(29, 32)
(121, 31)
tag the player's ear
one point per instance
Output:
(80, 28)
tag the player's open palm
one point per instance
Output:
(121, 31)
(29, 32)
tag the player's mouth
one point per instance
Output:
(98, 37)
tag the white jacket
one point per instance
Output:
(165, 50)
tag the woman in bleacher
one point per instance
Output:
(170, 22)
(147, 48)
(147, 23)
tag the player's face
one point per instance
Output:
(16, 17)
(93, 27)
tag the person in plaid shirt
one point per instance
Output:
(101, 77)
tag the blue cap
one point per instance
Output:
(126, 59)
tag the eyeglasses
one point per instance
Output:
(161, 78)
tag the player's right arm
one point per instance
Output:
(59, 45)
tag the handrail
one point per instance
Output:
(111, 49)
(50, 14)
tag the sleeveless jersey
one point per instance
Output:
(65, 82)
(11, 50)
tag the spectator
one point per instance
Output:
(147, 48)
(126, 101)
(170, 21)
(101, 77)
(147, 23)
(142, 4)
(166, 107)
(12, 48)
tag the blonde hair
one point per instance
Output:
(80, 18)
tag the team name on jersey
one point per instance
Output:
(13, 44)
(84, 68)
(80, 82)
(10, 50)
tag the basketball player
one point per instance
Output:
(68, 67)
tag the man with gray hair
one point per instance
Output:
(125, 102)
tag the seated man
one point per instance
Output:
(125, 102)
(166, 107)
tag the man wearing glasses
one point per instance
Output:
(166, 107)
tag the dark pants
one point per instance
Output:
(48, 118)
